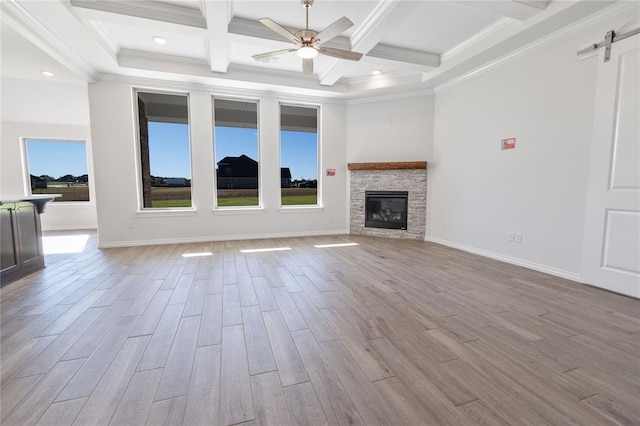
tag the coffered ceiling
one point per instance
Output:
(410, 44)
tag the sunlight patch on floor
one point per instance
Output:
(200, 254)
(61, 244)
(336, 245)
(265, 250)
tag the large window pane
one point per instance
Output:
(165, 162)
(298, 155)
(58, 167)
(236, 153)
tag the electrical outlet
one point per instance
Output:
(512, 236)
(130, 224)
(518, 237)
(330, 218)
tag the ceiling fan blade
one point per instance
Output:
(279, 29)
(307, 65)
(334, 30)
(339, 53)
(274, 53)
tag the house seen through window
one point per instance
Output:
(165, 162)
(235, 137)
(298, 155)
(58, 167)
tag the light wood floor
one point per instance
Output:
(386, 332)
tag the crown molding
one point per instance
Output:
(104, 38)
(224, 88)
(408, 94)
(383, 9)
(486, 32)
(30, 28)
(238, 75)
(148, 10)
(582, 24)
(235, 84)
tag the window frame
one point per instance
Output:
(247, 209)
(26, 167)
(159, 211)
(319, 199)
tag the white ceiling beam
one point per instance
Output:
(515, 9)
(408, 56)
(154, 11)
(134, 20)
(386, 16)
(218, 15)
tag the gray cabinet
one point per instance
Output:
(21, 239)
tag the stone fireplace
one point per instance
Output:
(388, 183)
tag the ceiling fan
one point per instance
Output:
(308, 42)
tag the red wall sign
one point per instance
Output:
(509, 143)
(331, 172)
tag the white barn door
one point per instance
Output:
(611, 248)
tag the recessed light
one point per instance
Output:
(47, 73)
(159, 40)
(376, 72)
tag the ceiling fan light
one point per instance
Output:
(307, 52)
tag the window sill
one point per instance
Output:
(165, 212)
(300, 209)
(232, 211)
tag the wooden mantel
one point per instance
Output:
(403, 165)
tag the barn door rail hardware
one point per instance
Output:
(610, 38)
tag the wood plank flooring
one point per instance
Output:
(385, 332)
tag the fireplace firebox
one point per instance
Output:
(386, 209)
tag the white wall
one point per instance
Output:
(47, 110)
(399, 129)
(114, 147)
(480, 194)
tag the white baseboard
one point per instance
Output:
(187, 240)
(508, 259)
(69, 228)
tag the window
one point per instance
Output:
(58, 167)
(165, 163)
(235, 136)
(298, 155)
